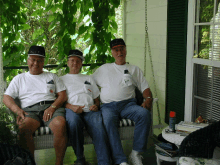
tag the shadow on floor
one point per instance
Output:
(47, 156)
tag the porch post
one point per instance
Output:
(1, 69)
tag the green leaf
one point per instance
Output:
(22, 20)
(93, 66)
(114, 24)
(25, 27)
(72, 28)
(60, 47)
(35, 13)
(73, 44)
(88, 58)
(6, 62)
(37, 33)
(82, 29)
(115, 3)
(51, 18)
(52, 25)
(86, 36)
(42, 2)
(61, 31)
(81, 17)
(92, 48)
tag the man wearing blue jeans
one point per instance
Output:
(82, 111)
(118, 82)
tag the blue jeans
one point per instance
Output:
(94, 125)
(127, 109)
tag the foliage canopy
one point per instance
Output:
(58, 25)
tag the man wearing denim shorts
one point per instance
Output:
(41, 95)
(82, 110)
(118, 81)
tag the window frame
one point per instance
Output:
(190, 61)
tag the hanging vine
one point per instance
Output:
(59, 25)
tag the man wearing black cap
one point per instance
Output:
(41, 95)
(82, 111)
(118, 81)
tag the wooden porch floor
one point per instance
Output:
(47, 156)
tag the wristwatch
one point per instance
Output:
(53, 106)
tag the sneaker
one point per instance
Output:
(124, 163)
(84, 163)
(135, 159)
(81, 163)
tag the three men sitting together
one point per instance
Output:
(71, 102)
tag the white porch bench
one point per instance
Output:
(43, 137)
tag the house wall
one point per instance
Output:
(134, 35)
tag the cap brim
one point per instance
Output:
(117, 46)
(82, 58)
(36, 55)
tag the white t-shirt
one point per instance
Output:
(110, 77)
(31, 89)
(78, 92)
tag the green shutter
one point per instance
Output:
(176, 58)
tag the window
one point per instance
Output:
(203, 60)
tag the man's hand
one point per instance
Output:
(147, 104)
(48, 113)
(75, 108)
(148, 99)
(21, 116)
(78, 109)
(93, 108)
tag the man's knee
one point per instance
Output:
(58, 124)
(110, 119)
(144, 114)
(28, 126)
(74, 122)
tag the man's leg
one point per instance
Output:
(142, 119)
(97, 131)
(26, 129)
(75, 127)
(111, 122)
(58, 127)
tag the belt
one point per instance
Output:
(41, 103)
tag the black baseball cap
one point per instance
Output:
(117, 42)
(76, 52)
(37, 50)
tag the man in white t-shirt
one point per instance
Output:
(118, 81)
(41, 95)
(82, 110)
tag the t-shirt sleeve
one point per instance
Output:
(59, 84)
(142, 83)
(95, 76)
(95, 89)
(13, 88)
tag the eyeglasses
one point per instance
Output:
(77, 61)
(34, 60)
(120, 48)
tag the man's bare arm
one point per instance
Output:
(10, 103)
(148, 99)
(61, 98)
